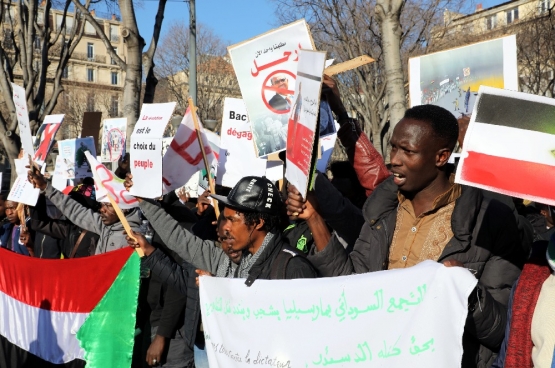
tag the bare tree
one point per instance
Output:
(350, 28)
(34, 54)
(215, 76)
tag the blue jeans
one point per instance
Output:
(201, 358)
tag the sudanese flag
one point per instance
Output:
(65, 313)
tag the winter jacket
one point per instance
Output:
(485, 240)
(205, 255)
(112, 236)
(9, 238)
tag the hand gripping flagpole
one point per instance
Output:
(204, 158)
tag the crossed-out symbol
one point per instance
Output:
(266, 87)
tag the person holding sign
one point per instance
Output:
(104, 223)
(420, 214)
(251, 224)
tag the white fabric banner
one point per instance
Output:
(399, 318)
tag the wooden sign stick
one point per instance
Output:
(347, 65)
(204, 158)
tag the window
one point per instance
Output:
(60, 19)
(90, 51)
(544, 6)
(89, 29)
(112, 60)
(65, 72)
(90, 102)
(114, 108)
(491, 22)
(7, 14)
(7, 41)
(90, 75)
(36, 66)
(114, 33)
(36, 43)
(512, 15)
(115, 78)
(40, 17)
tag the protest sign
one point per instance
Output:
(45, 137)
(20, 102)
(266, 69)
(301, 132)
(72, 152)
(214, 141)
(22, 190)
(166, 142)
(146, 149)
(105, 181)
(91, 125)
(114, 133)
(184, 157)
(451, 78)
(326, 149)
(237, 155)
(509, 146)
(411, 317)
(60, 177)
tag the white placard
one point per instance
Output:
(22, 190)
(72, 152)
(146, 149)
(59, 179)
(301, 132)
(266, 68)
(114, 133)
(411, 317)
(22, 113)
(326, 149)
(45, 137)
(237, 155)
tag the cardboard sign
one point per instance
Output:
(266, 68)
(91, 125)
(326, 149)
(184, 157)
(411, 317)
(20, 102)
(61, 174)
(22, 190)
(106, 182)
(451, 78)
(72, 152)
(214, 141)
(146, 149)
(509, 146)
(303, 119)
(45, 137)
(114, 137)
(237, 155)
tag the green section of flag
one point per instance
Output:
(107, 335)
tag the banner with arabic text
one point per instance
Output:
(412, 317)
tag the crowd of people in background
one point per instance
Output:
(361, 216)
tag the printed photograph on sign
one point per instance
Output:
(45, 137)
(451, 78)
(113, 139)
(266, 69)
(509, 146)
(72, 152)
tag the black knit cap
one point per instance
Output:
(253, 194)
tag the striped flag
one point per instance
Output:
(509, 146)
(64, 313)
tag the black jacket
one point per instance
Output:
(485, 240)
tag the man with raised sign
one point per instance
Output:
(420, 214)
(251, 225)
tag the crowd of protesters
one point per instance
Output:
(361, 216)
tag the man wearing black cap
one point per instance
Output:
(251, 218)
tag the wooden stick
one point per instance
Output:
(204, 158)
(124, 222)
(347, 65)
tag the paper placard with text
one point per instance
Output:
(509, 146)
(303, 119)
(266, 68)
(411, 317)
(237, 154)
(61, 174)
(183, 158)
(107, 183)
(72, 152)
(114, 136)
(146, 149)
(20, 102)
(45, 137)
(22, 190)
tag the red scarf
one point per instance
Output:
(519, 347)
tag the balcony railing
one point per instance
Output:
(85, 57)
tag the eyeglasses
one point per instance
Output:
(276, 81)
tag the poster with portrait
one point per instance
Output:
(266, 69)
(114, 133)
(72, 152)
(451, 78)
(45, 137)
(303, 120)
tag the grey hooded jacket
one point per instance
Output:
(111, 236)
